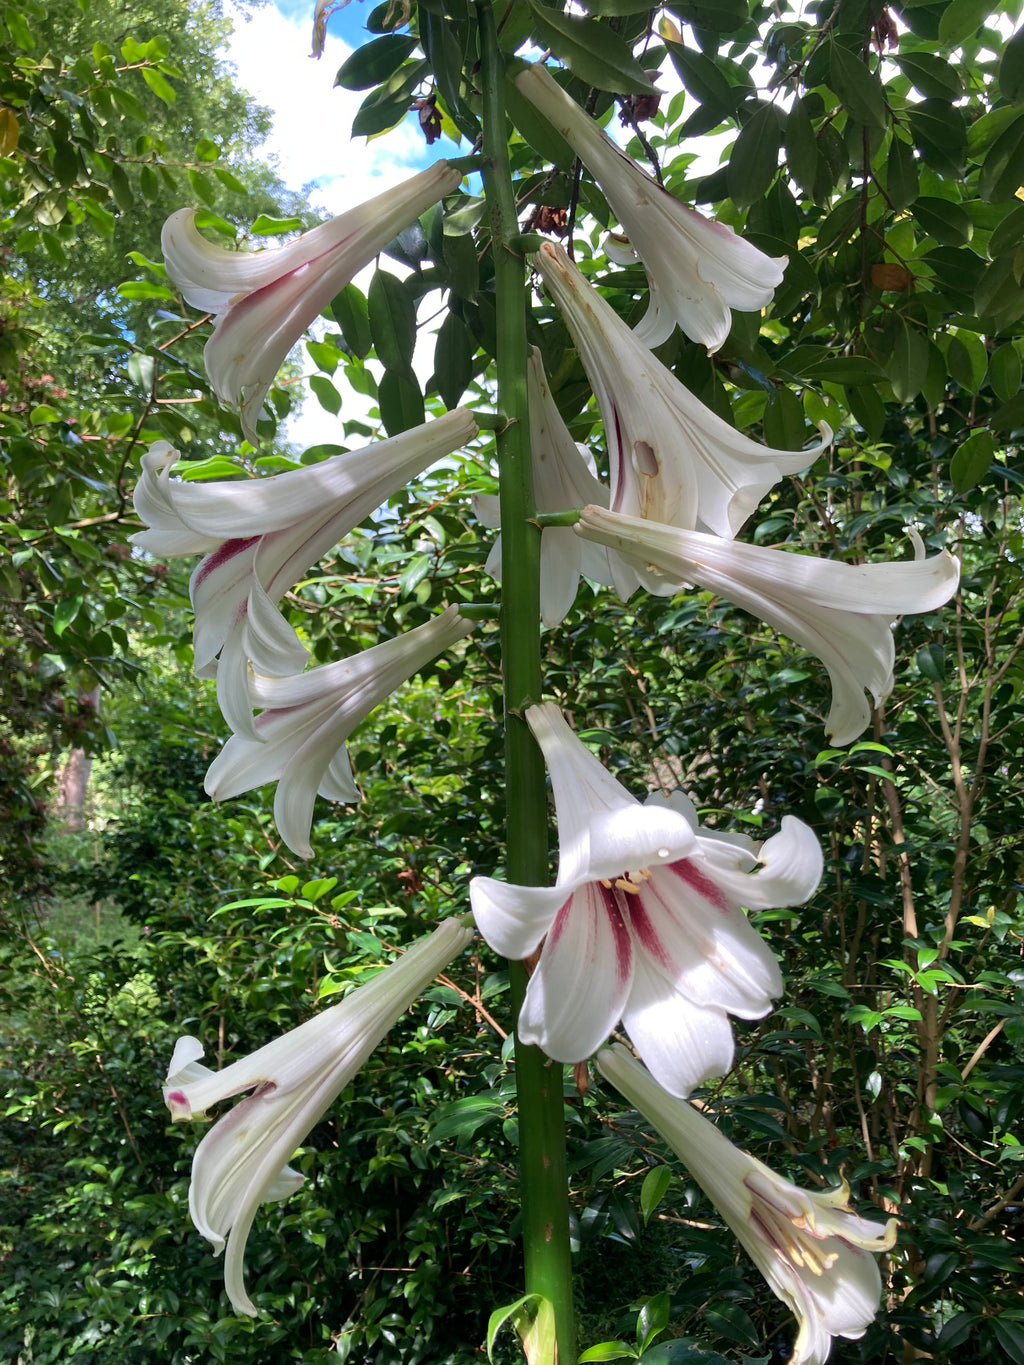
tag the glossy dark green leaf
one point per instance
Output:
(1010, 1336)
(1009, 234)
(718, 16)
(858, 87)
(392, 320)
(962, 19)
(1003, 171)
(537, 131)
(801, 147)
(591, 50)
(930, 74)
(868, 408)
(401, 401)
(969, 466)
(65, 164)
(390, 102)
(942, 219)
(453, 359)
(653, 1190)
(730, 1320)
(1011, 69)
(901, 177)
(940, 135)
(350, 312)
(909, 363)
(442, 42)
(967, 359)
(705, 82)
(754, 159)
(1004, 372)
(375, 61)
(461, 264)
(784, 424)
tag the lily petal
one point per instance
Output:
(240, 1163)
(697, 267)
(672, 459)
(815, 1252)
(309, 716)
(265, 300)
(840, 612)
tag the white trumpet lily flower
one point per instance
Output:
(817, 1255)
(840, 612)
(672, 459)
(260, 536)
(563, 478)
(265, 300)
(240, 1163)
(697, 269)
(300, 735)
(643, 923)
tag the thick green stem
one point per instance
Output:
(543, 1178)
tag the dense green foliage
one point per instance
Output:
(882, 152)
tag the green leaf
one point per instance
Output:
(908, 365)
(528, 1313)
(931, 75)
(392, 316)
(590, 50)
(654, 1318)
(931, 664)
(1008, 235)
(207, 150)
(375, 61)
(967, 359)
(653, 1190)
(1011, 69)
(901, 178)
(43, 413)
(350, 313)
(141, 370)
(940, 135)
(326, 394)
(265, 226)
(1003, 171)
(801, 147)
(1010, 1336)
(65, 164)
(607, 1350)
(401, 402)
(729, 1320)
(705, 82)
(718, 16)
(859, 89)
(1004, 372)
(942, 219)
(202, 188)
(460, 260)
(159, 84)
(536, 130)
(65, 612)
(962, 19)
(969, 465)
(754, 159)
(868, 407)
(453, 359)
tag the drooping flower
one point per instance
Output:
(563, 478)
(260, 536)
(840, 612)
(817, 1255)
(265, 300)
(300, 735)
(697, 268)
(643, 923)
(672, 459)
(240, 1163)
